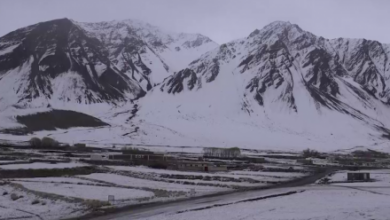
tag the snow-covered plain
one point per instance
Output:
(87, 191)
(56, 180)
(45, 209)
(238, 175)
(319, 203)
(141, 183)
(143, 169)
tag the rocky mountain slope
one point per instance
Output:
(69, 61)
(279, 88)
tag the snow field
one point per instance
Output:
(70, 180)
(331, 203)
(255, 175)
(86, 191)
(150, 184)
(23, 207)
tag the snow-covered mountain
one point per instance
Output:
(279, 88)
(148, 47)
(68, 61)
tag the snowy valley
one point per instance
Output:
(220, 110)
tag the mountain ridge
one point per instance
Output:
(284, 79)
(280, 87)
(87, 57)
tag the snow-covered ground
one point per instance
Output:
(319, 203)
(56, 180)
(145, 183)
(45, 208)
(160, 134)
(224, 179)
(87, 191)
(39, 165)
(233, 174)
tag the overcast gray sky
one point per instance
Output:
(221, 20)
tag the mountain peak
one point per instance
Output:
(279, 31)
(278, 23)
(59, 21)
(278, 26)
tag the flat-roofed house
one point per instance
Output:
(202, 166)
(358, 176)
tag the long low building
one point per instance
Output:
(161, 159)
(147, 157)
(156, 157)
(202, 166)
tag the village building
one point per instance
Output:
(201, 166)
(358, 176)
(146, 157)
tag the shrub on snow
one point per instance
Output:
(49, 142)
(35, 142)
